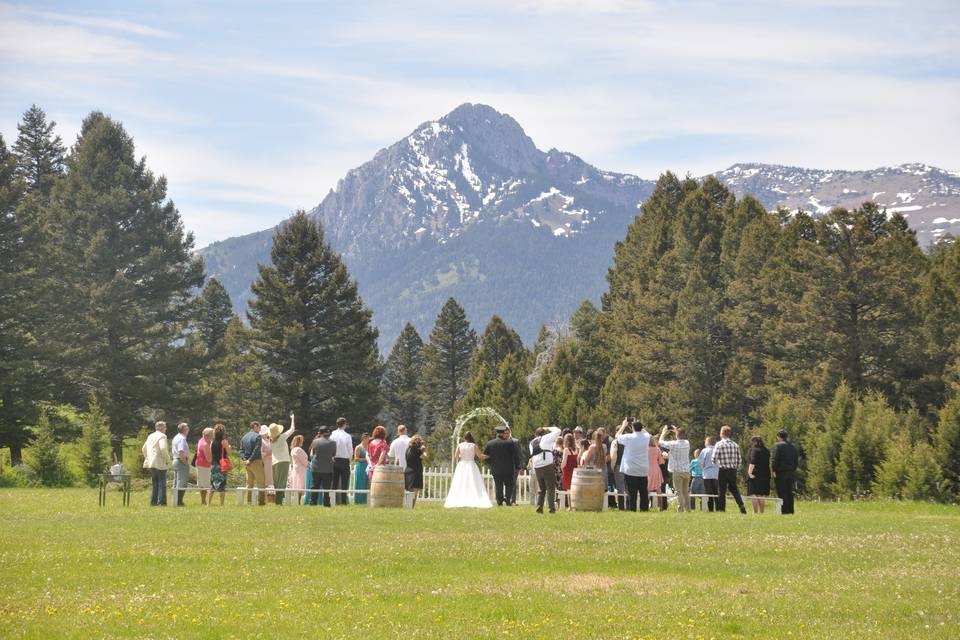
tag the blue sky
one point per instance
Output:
(253, 110)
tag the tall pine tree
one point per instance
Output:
(18, 344)
(402, 374)
(497, 342)
(313, 330)
(39, 152)
(126, 276)
(237, 383)
(447, 361)
(212, 315)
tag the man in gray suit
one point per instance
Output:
(322, 450)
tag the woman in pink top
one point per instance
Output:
(266, 452)
(203, 465)
(654, 475)
(297, 480)
(377, 450)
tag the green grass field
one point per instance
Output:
(72, 570)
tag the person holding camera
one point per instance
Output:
(541, 460)
(678, 464)
(635, 463)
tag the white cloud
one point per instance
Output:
(123, 26)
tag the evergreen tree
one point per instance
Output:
(797, 416)
(750, 311)
(825, 445)
(126, 273)
(238, 383)
(864, 445)
(869, 284)
(947, 446)
(39, 152)
(557, 398)
(447, 362)
(616, 397)
(665, 305)
(891, 475)
(510, 395)
(402, 375)
(94, 444)
(213, 313)
(940, 302)
(497, 342)
(924, 478)
(45, 458)
(313, 331)
(18, 342)
(592, 354)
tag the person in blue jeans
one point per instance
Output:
(711, 471)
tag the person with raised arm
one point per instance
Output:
(678, 464)
(281, 458)
(635, 465)
(541, 458)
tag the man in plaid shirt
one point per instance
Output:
(727, 456)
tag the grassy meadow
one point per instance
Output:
(870, 570)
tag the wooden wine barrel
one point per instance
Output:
(587, 489)
(386, 487)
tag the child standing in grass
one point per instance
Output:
(696, 479)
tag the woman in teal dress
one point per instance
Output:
(309, 483)
(360, 480)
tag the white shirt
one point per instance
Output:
(281, 450)
(547, 441)
(344, 443)
(679, 460)
(398, 450)
(180, 444)
(635, 460)
(155, 454)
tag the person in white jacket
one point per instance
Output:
(156, 457)
(281, 457)
(541, 461)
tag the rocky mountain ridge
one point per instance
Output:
(467, 206)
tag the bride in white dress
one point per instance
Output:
(466, 489)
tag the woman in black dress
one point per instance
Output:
(413, 476)
(758, 473)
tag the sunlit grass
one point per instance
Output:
(69, 569)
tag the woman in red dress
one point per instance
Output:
(377, 451)
(569, 461)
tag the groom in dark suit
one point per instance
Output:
(503, 456)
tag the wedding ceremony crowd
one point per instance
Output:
(637, 465)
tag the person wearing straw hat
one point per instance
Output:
(281, 457)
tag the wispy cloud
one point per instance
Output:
(123, 26)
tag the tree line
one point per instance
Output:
(839, 329)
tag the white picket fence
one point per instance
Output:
(436, 484)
